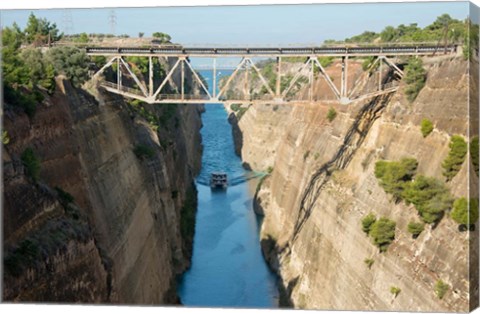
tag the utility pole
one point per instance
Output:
(112, 20)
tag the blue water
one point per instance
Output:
(228, 269)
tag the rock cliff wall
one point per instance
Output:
(323, 184)
(127, 231)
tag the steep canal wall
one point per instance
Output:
(99, 200)
(322, 185)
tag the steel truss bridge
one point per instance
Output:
(147, 92)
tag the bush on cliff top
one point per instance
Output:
(456, 156)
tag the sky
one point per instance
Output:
(267, 25)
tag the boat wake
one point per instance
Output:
(205, 181)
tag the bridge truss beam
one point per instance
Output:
(146, 91)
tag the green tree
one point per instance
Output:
(140, 34)
(389, 34)
(456, 156)
(71, 62)
(162, 37)
(331, 114)
(430, 197)
(39, 31)
(5, 138)
(441, 288)
(382, 232)
(474, 153)
(426, 127)
(395, 291)
(367, 222)
(415, 228)
(393, 175)
(464, 213)
(415, 77)
(14, 72)
(48, 81)
(369, 262)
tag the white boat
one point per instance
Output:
(218, 180)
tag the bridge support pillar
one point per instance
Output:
(183, 78)
(279, 78)
(119, 74)
(150, 76)
(380, 69)
(214, 78)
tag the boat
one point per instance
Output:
(218, 180)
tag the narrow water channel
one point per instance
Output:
(228, 269)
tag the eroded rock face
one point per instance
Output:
(129, 246)
(323, 184)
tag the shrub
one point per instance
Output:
(162, 37)
(415, 228)
(331, 114)
(458, 150)
(235, 107)
(395, 291)
(269, 169)
(464, 214)
(305, 155)
(474, 153)
(441, 288)
(383, 233)
(369, 262)
(241, 112)
(142, 151)
(430, 197)
(27, 101)
(31, 163)
(393, 175)
(426, 127)
(367, 222)
(325, 61)
(415, 77)
(5, 138)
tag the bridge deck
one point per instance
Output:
(270, 52)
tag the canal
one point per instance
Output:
(228, 269)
